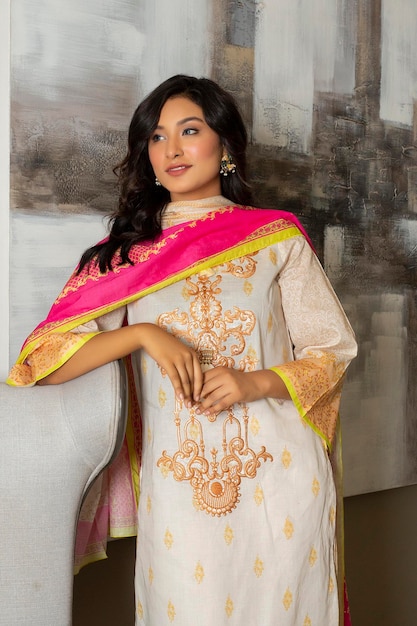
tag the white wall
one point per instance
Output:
(4, 184)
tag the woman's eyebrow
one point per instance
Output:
(184, 121)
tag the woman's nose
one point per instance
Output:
(173, 149)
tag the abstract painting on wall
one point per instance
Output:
(328, 91)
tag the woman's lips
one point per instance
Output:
(177, 170)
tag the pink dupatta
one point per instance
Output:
(179, 251)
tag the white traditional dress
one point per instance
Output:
(237, 514)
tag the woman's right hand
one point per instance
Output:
(179, 361)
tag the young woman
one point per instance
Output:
(238, 348)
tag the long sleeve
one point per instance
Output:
(323, 340)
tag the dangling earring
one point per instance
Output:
(157, 183)
(227, 166)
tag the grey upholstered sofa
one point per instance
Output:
(54, 441)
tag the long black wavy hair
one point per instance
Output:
(141, 202)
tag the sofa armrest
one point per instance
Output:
(55, 440)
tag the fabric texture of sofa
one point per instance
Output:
(55, 440)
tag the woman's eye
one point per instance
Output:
(190, 131)
(156, 138)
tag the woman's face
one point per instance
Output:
(185, 152)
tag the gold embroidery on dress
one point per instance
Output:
(215, 480)
(273, 256)
(315, 487)
(288, 528)
(313, 557)
(228, 535)
(287, 599)
(168, 539)
(259, 495)
(244, 267)
(139, 610)
(162, 396)
(254, 426)
(229, 606)
(212, 331)
(248, 288)
(286, 458)
(171, 611)
(258, 568)
(219, 337)
(199, 573)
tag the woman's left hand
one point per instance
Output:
(224, 386)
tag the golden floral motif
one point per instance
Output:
(287, 599)
(148, 504)
(258, 495)
(194, 431)
(199, 573)
(255, 426)
(144, 365)
(315, 487)
(272, 256)
(139, 610)
(247, 287)
(243, 267)
(251, 358)
(331, 585)
(185, 294)
(149, 434)
(288, 529)
(307, 621)
(171, 611)
(332, 515)
(286, 458)
(162, 397)
(164, 471)
(168, 539)
(151, 575)
(258, 568)
(313, 557)
(228, 535)
(229, 606)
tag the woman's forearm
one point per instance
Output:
(101, 349)
(179, 361)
